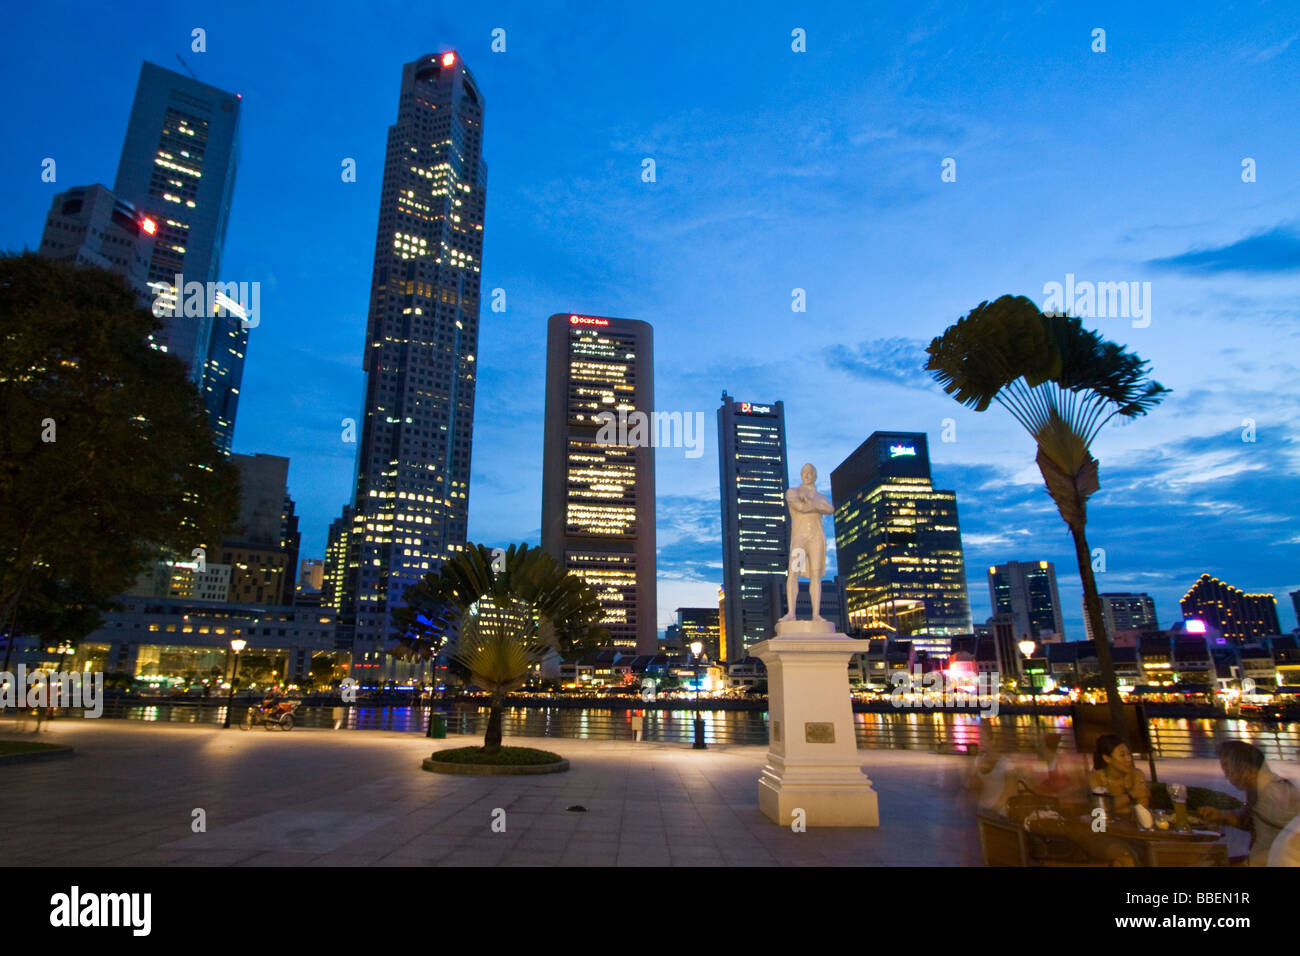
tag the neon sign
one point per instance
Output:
(587, 320)
(748, 408)
(898, 451)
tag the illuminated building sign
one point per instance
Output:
(587, 320)
(898, 451)
(748, 408)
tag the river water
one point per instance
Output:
(913, 730)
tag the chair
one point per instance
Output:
(1001, 841)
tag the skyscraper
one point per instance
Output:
(178, 166)
(88, 225)
(598, 482)
(411, 505)
(337, 553)
(262, 547)
(1124, 611)
(753, 477)
(1239, 616)
(1027, 591)
(897, 542)
(699, 624)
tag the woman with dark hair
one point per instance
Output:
(1271, 801)
(1113, 771)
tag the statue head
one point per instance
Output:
(809, 474)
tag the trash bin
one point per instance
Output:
(438, 726)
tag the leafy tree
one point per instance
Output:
(106, 455)
(1062, 383)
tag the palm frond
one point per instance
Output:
(499, 644)
(1051, 374)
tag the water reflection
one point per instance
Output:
(905, 730)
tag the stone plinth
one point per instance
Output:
(812, 761)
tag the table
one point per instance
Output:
(1195, 847)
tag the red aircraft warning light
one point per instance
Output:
(149, 225)
(448, 58)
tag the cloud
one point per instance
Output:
(897, 360)
(1277, 49)
(1277, 250)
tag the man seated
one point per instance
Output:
(1272, 802)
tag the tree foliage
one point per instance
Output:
(433, 608)
(1062, 383)
(106, 455)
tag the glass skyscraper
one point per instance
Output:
(178, 166)
(1026, 590)
(897, 542)
(753, 478)
(410, 510)
(598, 481)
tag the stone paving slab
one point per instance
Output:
(360, 798)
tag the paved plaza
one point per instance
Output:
(128, 796)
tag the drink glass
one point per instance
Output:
(1178, 794)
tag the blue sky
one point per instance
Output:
(775, 170)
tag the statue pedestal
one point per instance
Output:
(812, 760)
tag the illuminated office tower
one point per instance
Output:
(700, 624)
(178, 166)
(335, 577)
(898, 544)
(1240, 617)
(1026, 590)
(753, 478)
(1123, 611)
(598, 482)
(411, 505)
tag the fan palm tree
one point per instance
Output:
(562, 610)
(499, 643)
(434, 605)
(1062, 383)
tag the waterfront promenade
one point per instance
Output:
(127, 797)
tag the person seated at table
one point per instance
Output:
(1272, 802)
(1113, 771)
(992, 781)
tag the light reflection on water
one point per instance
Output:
(907, 730)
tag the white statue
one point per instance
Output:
(807, 541)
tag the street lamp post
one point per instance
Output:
(696, 648)
(237, 645)
(1027, 648)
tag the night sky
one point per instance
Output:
(776, 171)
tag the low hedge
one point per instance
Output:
(506, 756)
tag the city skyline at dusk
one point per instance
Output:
(780, 179)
